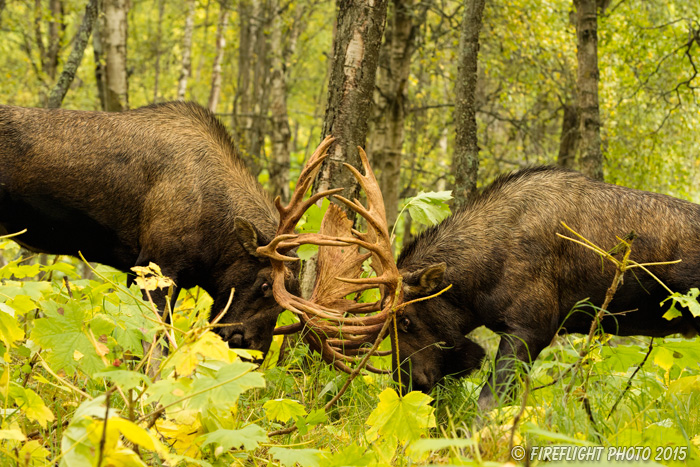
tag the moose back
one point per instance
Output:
(158, 184)
(512, 273)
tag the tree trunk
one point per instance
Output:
(591, 157)
(186, 68)
(390, 102)
(252, 96)
(98, 52)
(279, 159)
(465, 164)
(219, 57)
(156, 67)
(71, 67)
(360, 26)
(56, 28)
(114, 36)
(569, 137)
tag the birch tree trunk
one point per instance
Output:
(591, 156)
(360, 26)
(219, 57)
(186, 67)
(280, 132)
(71, 67)
(390, 101)
(158, 52)
(114, 36)
(465, 164)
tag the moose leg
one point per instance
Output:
(517, 349)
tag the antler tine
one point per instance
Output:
(290, 214)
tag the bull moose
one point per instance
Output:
(161, 184)
(511, 273)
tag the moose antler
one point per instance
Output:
(338, 327)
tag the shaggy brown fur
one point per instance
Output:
(160, 183)
(511, 273)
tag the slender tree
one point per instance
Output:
(360, 26)
(71, 67)
(186, 65)
(157, 49)
(568, 141)
(465, 164)
(113, 40)
(390, 97)
(221, 27)
(280, 132)
(591, 156)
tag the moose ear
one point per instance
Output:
(426, 280)
(248, 235)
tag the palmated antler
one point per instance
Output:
(339, 327)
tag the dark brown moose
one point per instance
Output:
(512, 273)
(158, 184)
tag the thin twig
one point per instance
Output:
(629, 382)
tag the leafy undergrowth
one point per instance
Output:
(77, 390)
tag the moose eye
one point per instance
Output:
(265, 287)
(404, 324)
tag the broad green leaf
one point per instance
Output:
(688, 300)
(33, 453)
(305, 252)
(350, 456)
(35, 290)
(429, 208)
(31, 405)
(14, 434)
(302, 457)
(62, 332)
(9, 332)
(248, 438)
(125, 379)
(223, 389)
(406, 418)
(283, 409)
(685, 385)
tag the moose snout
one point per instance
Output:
(233, 336)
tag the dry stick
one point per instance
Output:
(619, 272)
(629, 382)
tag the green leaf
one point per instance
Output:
(305, 252)
(351, 456)
(31, 405)
(228, 383)
(429, 208)
(9, 331)
(545, 435)
(248, 437)
(63, 332)
(125, 379)
(405, 418)
(688, 300)
(292, 457)
(283, 409)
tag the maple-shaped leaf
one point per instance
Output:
(248, 438)
(208, 346)
(404, 418)
(429, 208)
(64, 331)
(222, 390)
(304, 457)
(283, 409)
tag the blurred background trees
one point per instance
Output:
(264, 67)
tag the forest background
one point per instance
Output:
(266, 68)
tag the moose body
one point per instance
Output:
(512, 273)
(158, 184)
